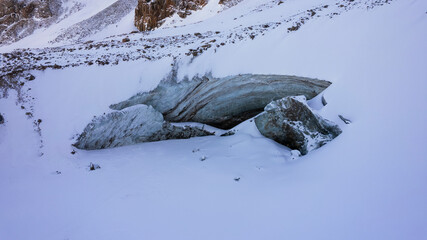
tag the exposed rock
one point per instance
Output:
(1, 119)
(229, 133)
(222, 102)
(150, 14)
(19, 19)
(290, 121)
(132, 125)
(30, 77)
(345, 120)
(324, 102)
(229, 3)
(93, 167)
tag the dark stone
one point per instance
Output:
(291, 122)
(324, 102)
(229, 133)
(93, 167)
(30, 77)
(1, 119)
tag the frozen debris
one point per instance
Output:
(345, 120)
(324, 101)
(229, 133)
(237, 179)
(203, 158)
(99, 21)
(295, 154)
(29, 114)
(93, 167)
(195, 150)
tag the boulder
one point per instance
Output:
(140, 123)
(222, 102)
(291, 122)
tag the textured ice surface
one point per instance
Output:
(223, 102)
(136, 124)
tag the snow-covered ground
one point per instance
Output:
(368, 183)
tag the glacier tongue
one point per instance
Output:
(222, 102)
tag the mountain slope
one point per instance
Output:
(369, 183)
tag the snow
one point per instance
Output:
(368, 183)
(124, 26)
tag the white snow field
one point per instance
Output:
(368, 183)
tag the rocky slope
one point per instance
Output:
(19, 19)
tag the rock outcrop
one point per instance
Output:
(150, 14)
(222, 102)
(132, 125)
(19, 19)
(290, 121)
